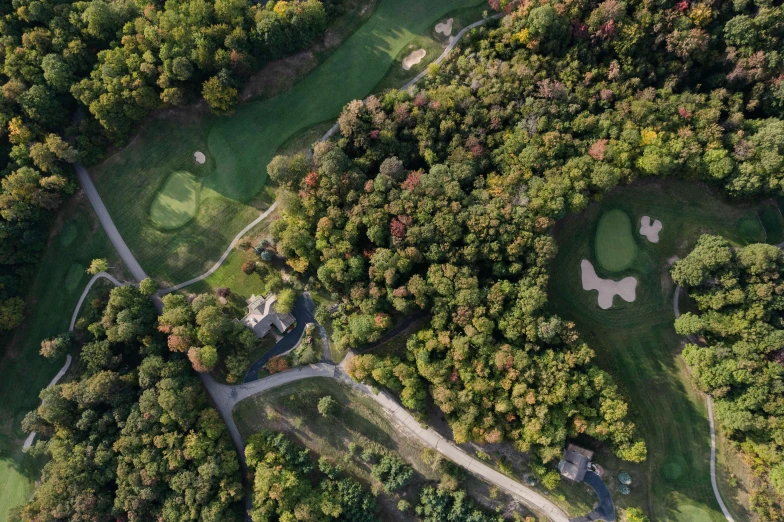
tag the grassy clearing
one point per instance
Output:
(292, 409)
(614, 245)
(239, 147)
(636, 341)
(23, 372)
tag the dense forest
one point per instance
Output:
(737, 349)
(77, 76)
(131, 436)
(442, 199)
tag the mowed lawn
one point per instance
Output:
(637, 343)
(58, 283)
(238, 148)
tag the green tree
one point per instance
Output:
(328, 406)
(220, 97)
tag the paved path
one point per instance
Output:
(331, 132)
(715, 485)
(86, 291)
(108, 225)
(693, 339)
(227, 397)
(31, 437)
(225, 254)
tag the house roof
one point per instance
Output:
(574, 465)
(262, 315)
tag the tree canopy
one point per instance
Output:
(738, 356)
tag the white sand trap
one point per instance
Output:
(413, 59)
(608, 289)
(199, 157)
(650, 229)
(445, 28)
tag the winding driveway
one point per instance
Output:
(227, 397)
(303, 312)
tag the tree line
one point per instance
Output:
(129, 434)
(738, 351)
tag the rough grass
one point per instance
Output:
(636, 341)
(23, 372)
(293, 409)
(772, 221)
(614, 245)
(239, 147)
(177, 202)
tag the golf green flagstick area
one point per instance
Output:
(135, 183)
(637, 342)
(615, 247)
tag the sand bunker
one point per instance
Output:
(445, 28)
(199, 157)
(650, 229)
(608, 289)
(413, 59)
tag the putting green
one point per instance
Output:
(68, 233)
(74, 275)
(614, 243)
(750, 229)
(772, 220)
(178, 245)
(177, 202)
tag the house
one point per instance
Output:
(575, 463)
(262, 316)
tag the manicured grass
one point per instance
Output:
(239, 147)
(637, 343)
(771, 219)
(230, 274)
(23, 372)
(177, 202)
(614, 244)
(432, 42)
(292, 409)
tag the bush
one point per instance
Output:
(392, 472)
(327, 406)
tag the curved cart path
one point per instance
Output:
(96, 277)
(225, 254)
(709, 401)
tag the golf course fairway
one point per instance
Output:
(240, 146)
